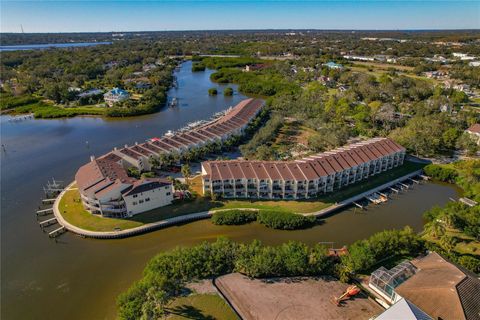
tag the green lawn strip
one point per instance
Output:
(73, 212)
(200, 306)
(44, 110)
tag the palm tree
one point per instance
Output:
(186, 172)
(448, 242)
(435, 228)
(449, 218)
(154, 162)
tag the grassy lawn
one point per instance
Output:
(200, 306)
(73, 212)
(465, 244)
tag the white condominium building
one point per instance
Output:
(301, 179)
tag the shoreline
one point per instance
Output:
(165, 223)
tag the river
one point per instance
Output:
(50, 46)
(79, 278)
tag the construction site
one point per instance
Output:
(295, 298)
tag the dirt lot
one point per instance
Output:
(293, 298)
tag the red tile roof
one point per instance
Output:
(311, 168)
(475, 128)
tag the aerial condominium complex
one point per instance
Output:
(305, 178)
(105, 187)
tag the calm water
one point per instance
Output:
(79, 278)
(50, 45)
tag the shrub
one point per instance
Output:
(8, 102)
(284, 220)
(198, 66)
(212, 92)
(441, 173)
(364, 254)
(228, 91)
(234, 217)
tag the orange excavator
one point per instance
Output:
(350, 292)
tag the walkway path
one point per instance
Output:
(198, 215)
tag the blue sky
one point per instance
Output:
(131, 15)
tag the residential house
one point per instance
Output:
(115, 95)
(434, 285)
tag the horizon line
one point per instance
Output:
(266, 29)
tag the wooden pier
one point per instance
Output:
(48, 201)
(414, 181)
(358, 205)
(48, 222)
(44, 212)
(394, 190)
(468, 202)
(406, 186)
(55, 233)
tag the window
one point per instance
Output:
(147, 199)
(135, 195)
(168, 193)
(134, 203)
(140, 201)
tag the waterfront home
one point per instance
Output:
(333, 65)
(305, 178)
(474, 132)
(107, 190)
(115, 95)
(433, 284)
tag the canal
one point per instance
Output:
(78, 278)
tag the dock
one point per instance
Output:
(358, 205)
(44, 212)
(55, 233)
(406, 186)
(394, 190)
(48, 201)
(389, 185)
(47, 222)
(468, 202)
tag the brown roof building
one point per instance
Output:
(322, 172)
(442, 289)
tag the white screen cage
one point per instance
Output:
(385, 281)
